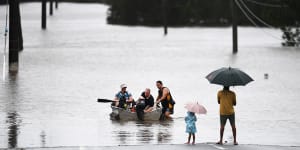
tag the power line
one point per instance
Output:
(263, 22)
(252, 21)
(265, 4)
(256, 17)
(244, 12)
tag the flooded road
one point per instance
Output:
(79, 58)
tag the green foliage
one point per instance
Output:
(291, 36)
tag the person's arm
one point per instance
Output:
(130, 99)
(148, 109)
(164, 95)
(234, 100)
(142, 96)
(157, 98)
(116, 97)
(218, 97)
(116, 100)
(150, 105)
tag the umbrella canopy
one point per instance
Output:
(196, 108)
(229, 77)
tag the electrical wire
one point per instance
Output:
(252, 21)
(265, 4)
(263, 22)
(256, 17)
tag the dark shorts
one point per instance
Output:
(164, 109)
(223, 119)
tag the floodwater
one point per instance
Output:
(79, 58)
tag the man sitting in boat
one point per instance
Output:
(123, 98)
(145, 104)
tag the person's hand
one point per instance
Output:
(158, 101)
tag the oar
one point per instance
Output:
(101, 100)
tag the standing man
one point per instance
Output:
(123, 97)
(227, 100)
(165, 98)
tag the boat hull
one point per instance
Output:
(123, 114)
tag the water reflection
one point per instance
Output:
(13, 129)
(13, 119)
(43, 139)
(123, 136)
(164, 132)
(143, 132)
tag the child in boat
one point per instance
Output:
(191, 129)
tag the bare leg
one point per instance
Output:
(167, 115)
(221, 134)
(193, 138)
(234, 134)
(189, 139)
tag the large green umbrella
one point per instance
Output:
(228, 77)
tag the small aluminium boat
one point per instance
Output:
(125, 114)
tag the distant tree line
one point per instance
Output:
(277, 13)
(79, 1)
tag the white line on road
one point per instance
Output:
(217, 147)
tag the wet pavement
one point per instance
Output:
(206, 146)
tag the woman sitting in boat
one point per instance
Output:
(145, 104)
(123, 98)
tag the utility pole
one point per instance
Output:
(165, 16)
(51, 7)
(15, 36)
(56, 4)
(234, 27)
(44, 14)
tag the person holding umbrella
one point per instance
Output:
(226, 98)
(191, 119)
(191, 129)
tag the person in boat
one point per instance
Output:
(144, 104)
(165, 98)
(123, 98)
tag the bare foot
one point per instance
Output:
(220, 143)
(193, 143)
(187, 143)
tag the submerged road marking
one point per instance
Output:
(217, 147)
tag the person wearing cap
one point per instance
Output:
(123, 97)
